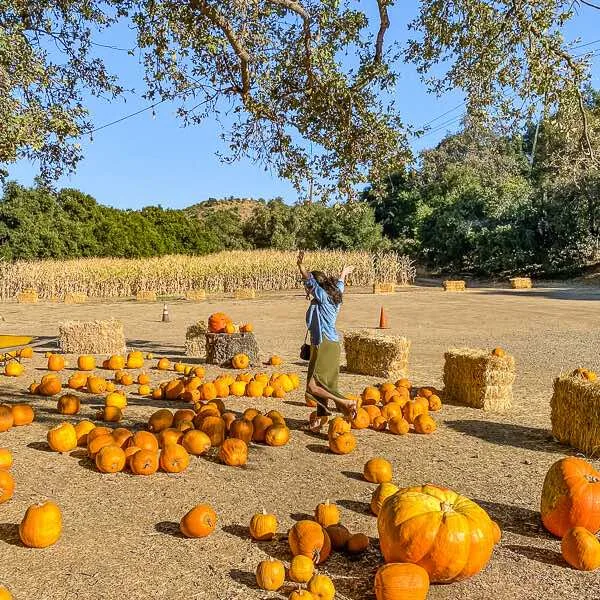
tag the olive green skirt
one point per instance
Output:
(324, 366)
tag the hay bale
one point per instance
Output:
(521, 283)
(384, 288)
(244, 294)
(222, 347)
(28, 296)
(575, 416)
(454, 285)
(195, 295)
(195, 339)
(478, 379)
(145, 296)
(75, 298)
(372, 352)
(91, 337)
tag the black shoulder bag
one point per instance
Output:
(305, 349)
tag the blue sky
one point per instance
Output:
(146, 160)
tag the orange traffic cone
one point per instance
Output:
(383, 324)
(166, 318)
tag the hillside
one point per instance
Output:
(245, 207)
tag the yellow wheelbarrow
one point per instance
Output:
(12, 345)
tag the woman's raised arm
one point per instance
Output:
(300, 263)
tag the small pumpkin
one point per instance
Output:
(96, 385)
(143, 462)
(499, 352)
(196, 442)
(343, 444)
(144, 440)
(370, 396)
(381, 493)
(14, 368)
(379, 424)
(96, 444)
(214, 428)
(261, 424)
(254, 389)
(169, 436)
(425, 424)
(5, 594)
(270, 574)
(263, 526)
(7, 419)
(86, 362)
(337, 426)
(6, 459)
(143, 379)
(77, 381)
(277, 435)
(357, 543)
(41, 526)
(208, 391)
(56, 362)
(82, 429)
(110, 414)
(26, 352)
(198, 522)
(401, 581)
(301, 569)
(135, 360)
(23, 414)
(163, 364)
(159, 420)
(275, 360)
(233, 452)
(391, 411)
(68, 404)
(7, 486)
(174, 458)
(339, 536)
(229, 328)
(62, 438)
(116, 362)
(378, 470)
(327, 514)
(398, 425)
(361, 420)
(581, 549)
(242, 429)
(321, 587)
(240, 361)
(246, 328)
(413, 408)
(49, 387)
(309, 539)
(110, 459)
(122, 436)
(97, 432)
(434, 402)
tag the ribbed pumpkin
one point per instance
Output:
(41, 526)
(425, 424)
(277, 435)
(135, 360)
(321, 587)
(361, 420)
(413, 408)
(301, 569)
(581, 549)
(56, 362)
(327, 514)
(163, 364)
(309, 539)
(49, 387)
(391, 410)
(14, 369)
(96, 444)
(379, 424)
(110, 414)
(77, 381)
(261, 424)
(144, 462)
(263, 526)
(401, 581)
(242, 429)
(233, 452)
(96, 385)
(434, 402)
(68, 404)
(337, 426)
(169, 436)
(357, 543)
(373, 411)
(571, 496)
(254, 389)
(270, 574)
(378, 470)
(62, 438)
(116, 362)
(198, 522)
(450, 536)
(398, 425)
(214, 428)
(23, 414)
(370, 396)
(196, 442)
(250, 413)
(110, 459)
(121, 435)
(381, 493)
(240, 361)
(174, 458)
(342, 444)
(7, 486)
(298, 594)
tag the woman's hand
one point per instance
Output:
(300, 259)
(299, 262)
(347, 270)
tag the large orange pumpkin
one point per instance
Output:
(242, 429)
(174, 458)
(277, 435)
(199, 522)
(401, 581)
(144, 440)
(214, 428)
(233, 452)
(309, 539)
(7, 419)
(86, 362)
(261, 424)
(263, 526)
(56, 362)
(381, 493)
(97, 443)
(240, 361)
(378, 470)
(50, 386)
(7, 486)
(413, 408)
(144, 462)
(362, 419)
(270, 574)
(77, 381)
(68, 404)
(581, 549)
(14, 369)
(447, 534)
(96, 385)
(110, 459)
(217, 322)
(82, 429)
(41, 526)
(23, 414)
(342, 444)
(159, 420)
(571, 496)
(62, 438)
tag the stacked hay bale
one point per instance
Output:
(75, 298)
(575, 413)
(454, 285)
(372, 352)
(384, 288)
(27, 296)
(222, 347)
(520, 283)
(145, 296)
(195, 295)
(92, 337)
(244, 294)
(195, 339)
(479, 378)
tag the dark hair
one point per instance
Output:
(329, 284)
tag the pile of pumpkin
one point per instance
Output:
(12, 365)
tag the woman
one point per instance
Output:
(324, 366)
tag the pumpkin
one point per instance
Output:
(299, 594)
(144, 440)
(261, 424)
(56, 362)
(127, 379)
(163, 364)
(425, 424)
(301, 569)
(254, 389)
(23, 414)
(240, 361)
(41, 526)
(116, 399)
(174, 458)
(221, 388)
(26, 352)
(398, 425)
(378, 470)
(497, 532)
(357, 543)
(285, 382)
(208, 391)
(7, 486)
(110, 459)
(370, 396)
(7, 419)
(135, 360)
(233, 452)
(447, 534)
(96, 385)
(277, 435)
(217, 322)
(116, 362)
(321, 587)
(373, 411)
(179, 367)
(50, 387)
(157, 393)
(278, 391)
(327, 514)
(392, 396)
(337, 426)
(405, 383)
(185, 426)
(95, 445)
(122, 436)
(391, 411)
(110, 414)
(270, 574)
(379, 424)
(14, 369)
(498, 352)
(275, 360)
(62, 438)
(342, 444)
(159, 420)
(413, 408)
(246, 328)
(242, 429)
(144, 390)
(581, 549)
(361, 420)
(571, 496)
(263, 526)
(228, 419)
(250, 413)
(143, 379)
(309, 539)
(174, 389)
(184, 414)
(86, 362)
(338, 535)
(268, 391)
(434, 402)
(381, 493)
(401, 581)
(169, 436)
(6, 459)
(143, 462)
(68, 404)
(77, 381)
(214, 428)
(198, 522)
(5, 594)
(97, 432)
(276, 417)
(198, 372)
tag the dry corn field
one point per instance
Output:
(177, 275)
(120, 532)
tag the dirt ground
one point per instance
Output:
(120, 536)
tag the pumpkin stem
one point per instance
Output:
(592, 479)
(446, 507)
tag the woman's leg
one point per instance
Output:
(348, 407)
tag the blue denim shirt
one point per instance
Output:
(322, 313)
